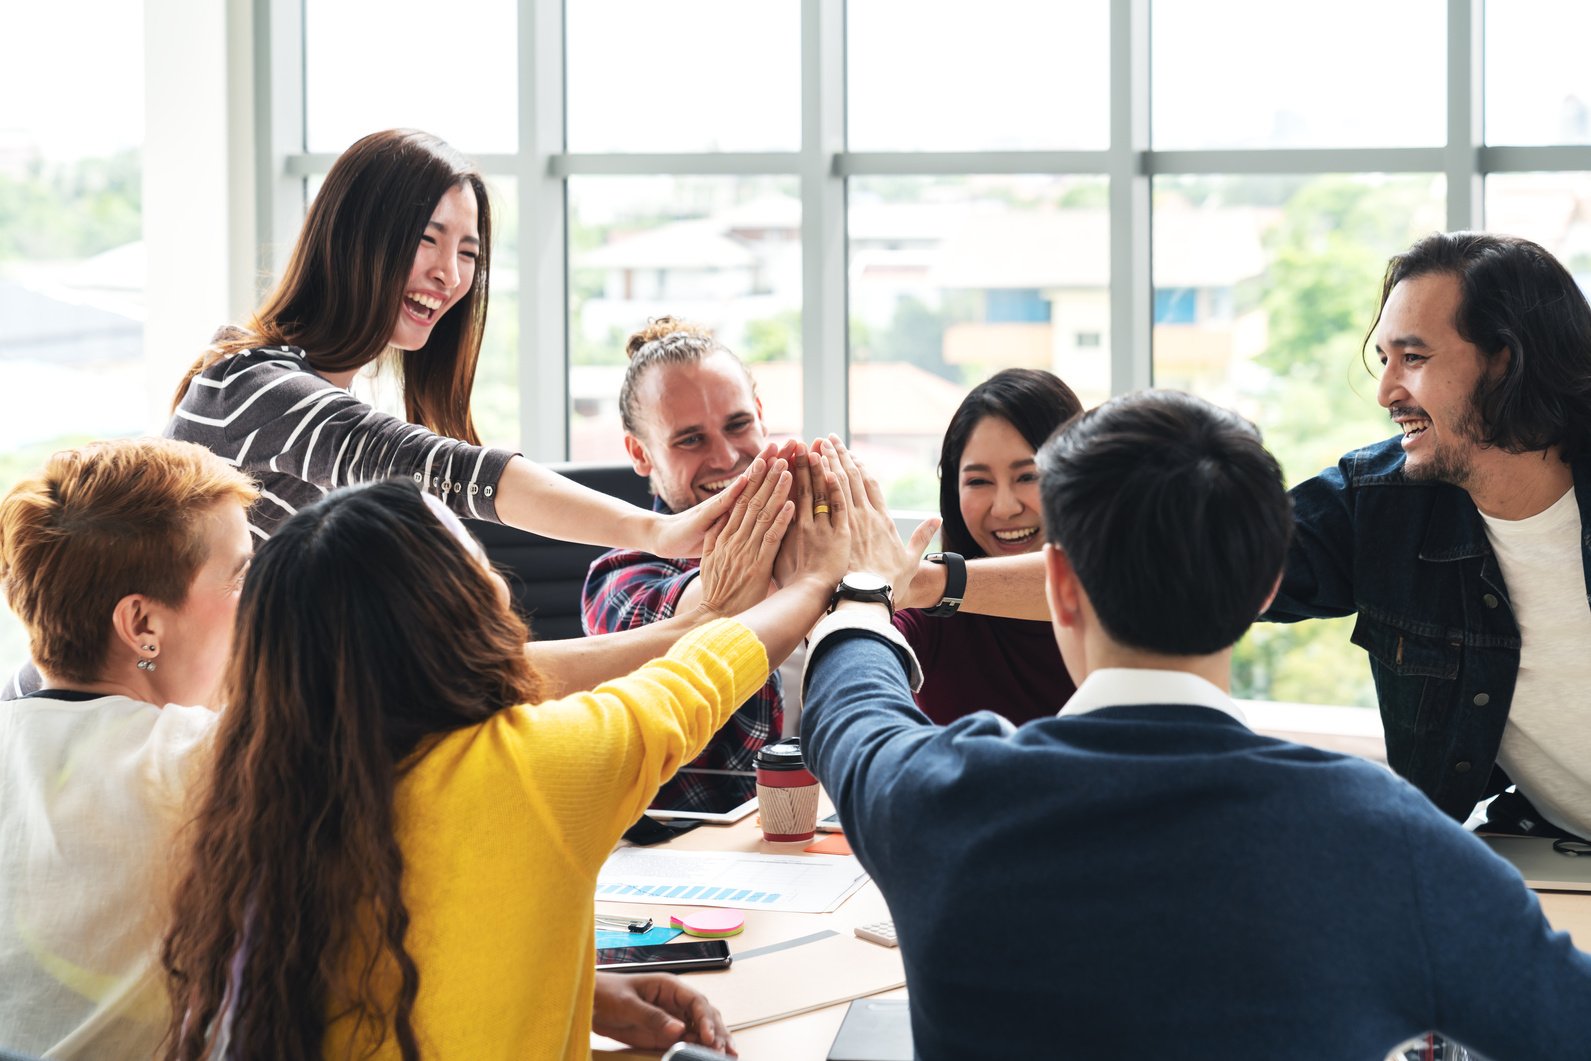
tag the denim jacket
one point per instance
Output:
(1412, 559)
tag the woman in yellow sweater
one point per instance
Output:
(394, 861)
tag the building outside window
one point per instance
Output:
(1125, 193)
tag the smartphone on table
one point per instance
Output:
(664, 957)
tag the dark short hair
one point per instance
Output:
(1174, 516)
(1514, 297)
(1032, 401)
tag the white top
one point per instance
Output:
(1547, 742)
(873, 620)
(1121, 686)
(91, 796)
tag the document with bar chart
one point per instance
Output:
(811, 884)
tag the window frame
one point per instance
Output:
(823, 166)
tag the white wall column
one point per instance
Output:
(198, 188)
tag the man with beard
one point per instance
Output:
(692, 422)
(1463, 545)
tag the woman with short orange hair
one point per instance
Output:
(124, 561)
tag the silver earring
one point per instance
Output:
(146, 665)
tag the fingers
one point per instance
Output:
(715, 509)
(875, 492)
(748, 481)
(800, 468)
(759, 494)
(710, 539)
(834, 479)
(701, 1022)
(835, 489)
(706, 1026)
(815, 475)
(762, 507)
(637, 1012)
(773, 537)
(853, 475)
(918, 543)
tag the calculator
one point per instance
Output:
(880, 932)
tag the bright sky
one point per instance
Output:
(73, 76)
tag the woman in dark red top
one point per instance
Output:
(989, 500)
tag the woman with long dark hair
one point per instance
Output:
(393, 859)
(394, 254)
(989, 501)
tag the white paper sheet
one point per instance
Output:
(810, 884)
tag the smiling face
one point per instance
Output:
(444, 267)
(999, 489)
(1430, 377)
(701, 426)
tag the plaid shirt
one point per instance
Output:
(626, 588)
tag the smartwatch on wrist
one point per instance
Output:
(863, 586)
(955, 584)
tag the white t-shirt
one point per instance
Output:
(92, 794)
(1547, 743)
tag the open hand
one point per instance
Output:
(737, 565)
(653, 1011)
(823, 523)
(875, 543)
(788, 562)
(685, 533)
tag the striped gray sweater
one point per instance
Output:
(301, 436)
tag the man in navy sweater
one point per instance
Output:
(1144, 875)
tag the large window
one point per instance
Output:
(71, 249)
(878, 203)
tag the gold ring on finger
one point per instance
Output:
(820, 510)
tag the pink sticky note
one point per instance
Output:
(710, 922)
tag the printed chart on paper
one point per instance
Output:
(798, 883)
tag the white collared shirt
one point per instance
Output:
(1122, 686)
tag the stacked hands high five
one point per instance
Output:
(827, 474)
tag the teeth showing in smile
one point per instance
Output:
(1016, 535)
(1414, 427)
(424, 305)
(714, 487)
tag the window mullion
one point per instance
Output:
(1465, 40)
(824, 323)
(1131, 285)
(543, 238)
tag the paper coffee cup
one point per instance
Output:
(787, 793)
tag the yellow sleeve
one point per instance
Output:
(597, 758)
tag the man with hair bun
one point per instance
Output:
(692, 422)
(1142, 874)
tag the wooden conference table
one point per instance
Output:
(806, 1036)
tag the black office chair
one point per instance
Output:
(545, 575)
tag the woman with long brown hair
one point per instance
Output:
(394, 254)
(393, 860)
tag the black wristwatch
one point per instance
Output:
(864, 586)
(955, 584)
